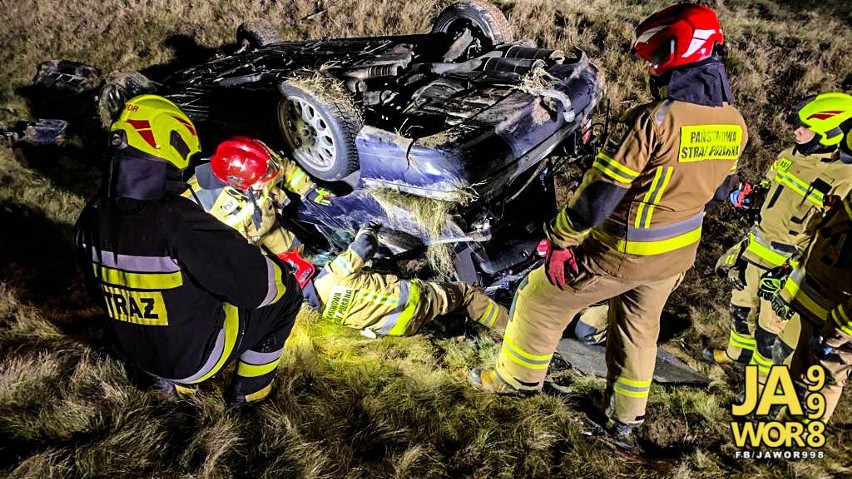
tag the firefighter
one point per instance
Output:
(820, 291)
(343, 292)
(632, 229)
(185, 294)
(796, 186)
(241, 186)
(383, 304)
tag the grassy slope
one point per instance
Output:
(348, 406)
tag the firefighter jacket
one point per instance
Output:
(168, 275)
(820, 287)
(254, 213)
(794, 204)
(639, 211)
(383, 303)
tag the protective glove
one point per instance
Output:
(558, 263)
(781, 308)
(734, 274)
(372, 226)
(741, 197)
(821, 349)
(771, 282)
(320, 196)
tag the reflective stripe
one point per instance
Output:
(842, 319)
(137, 264)
(254, 370)
(377, 298)
(563, 227)
(653, 196)
(343, 264)
(295, 177)
(614, 169)
(489, 316)
(262, 393)
(225, 342)
(764, 251)
(254, 357)
(407, 314)
(803, 188)
(847, 205)
(275, 283)
(390, 320)
(762, 363)
(523, 358)
(144, 281)
(631, 387)
(798, 289)
(648, 242)
(740, 341)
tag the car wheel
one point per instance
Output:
(487, 20)
(319, 123)
(117, 89)
(257, 33)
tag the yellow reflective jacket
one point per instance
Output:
(668, 158)
(360, 299)
(237, 210)
(820, 288)
(794, 204)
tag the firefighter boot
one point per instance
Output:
(489, 381)
(740, 341)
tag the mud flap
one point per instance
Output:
(589, 360)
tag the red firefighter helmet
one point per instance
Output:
(676, 36)
(243, 162)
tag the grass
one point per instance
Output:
(348, 406)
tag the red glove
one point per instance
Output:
(556, 261)
(301, 269)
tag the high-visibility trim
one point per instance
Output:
(407, 314)
(523, 358)
(649, 248)
(847, 205)
(763, 364)
(254, 370)
(295, 177)
(489, 316)
(225, 342)
(563, 226)
(142, 281)
(797, 289)
(632, 387)
(275, 281)
(614, 169)
(341, 262)
(378, 298)
(653, 196)
(134, 263)
(261, 394)
(842, 319)
(254, 357)
(803, 188)
(764, 251)
(740, 341)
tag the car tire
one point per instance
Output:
(483, 15)
(318, 123)
(256, 34)
(117, 89)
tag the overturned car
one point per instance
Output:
(445, 137)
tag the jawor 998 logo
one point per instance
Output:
(799, 426)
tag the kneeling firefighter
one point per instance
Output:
(343, 292)
(184, 293)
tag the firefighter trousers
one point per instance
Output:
(837, 366)
(541, 312)
(438, 299)
(747, 341)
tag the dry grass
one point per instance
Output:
(348, 406)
